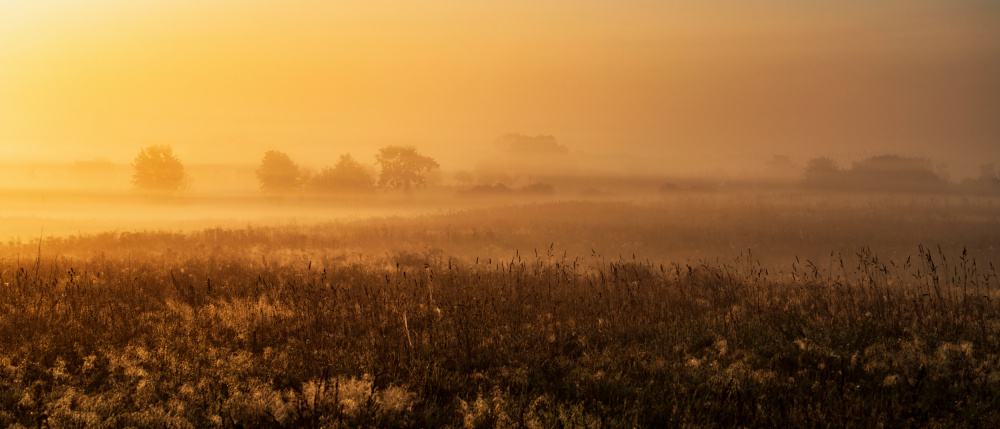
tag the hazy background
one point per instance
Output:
(654, 87)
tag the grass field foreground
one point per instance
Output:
(216, 339)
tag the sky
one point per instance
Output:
(661, 87)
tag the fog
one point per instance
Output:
(630, 213)
(661, 88)
(508, 103)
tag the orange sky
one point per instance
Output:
(676, 86)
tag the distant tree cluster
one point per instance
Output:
(347, 176)
(157, 169)
(499, 190)
(401, 168)
(823, 173)
(878, 173)
(520, 155)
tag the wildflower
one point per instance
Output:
(802, 345)
(397, 399)
(722, 347)
(890, 380)
(966, 347)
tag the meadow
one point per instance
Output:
(692, 310)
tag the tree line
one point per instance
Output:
(894, 173)
(401, 168)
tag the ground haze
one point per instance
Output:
(499, 214)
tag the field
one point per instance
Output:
(790, 310)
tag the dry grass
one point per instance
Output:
(286, 327)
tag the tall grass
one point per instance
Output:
(250, 335)
(777, 227)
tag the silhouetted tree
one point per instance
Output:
(538, 189)
(157, 169)
(880, 173)
(823, 172)
(896, 173)
(347, 176)
(494, 190)
(403, 168)
(532, 156)
(277, 172)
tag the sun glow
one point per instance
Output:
(107, 77)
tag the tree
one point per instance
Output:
(403, 168)
(823, 172)
(157, 169)
(347, 176)
(541, 155)
(896, 173)
(277, 172)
